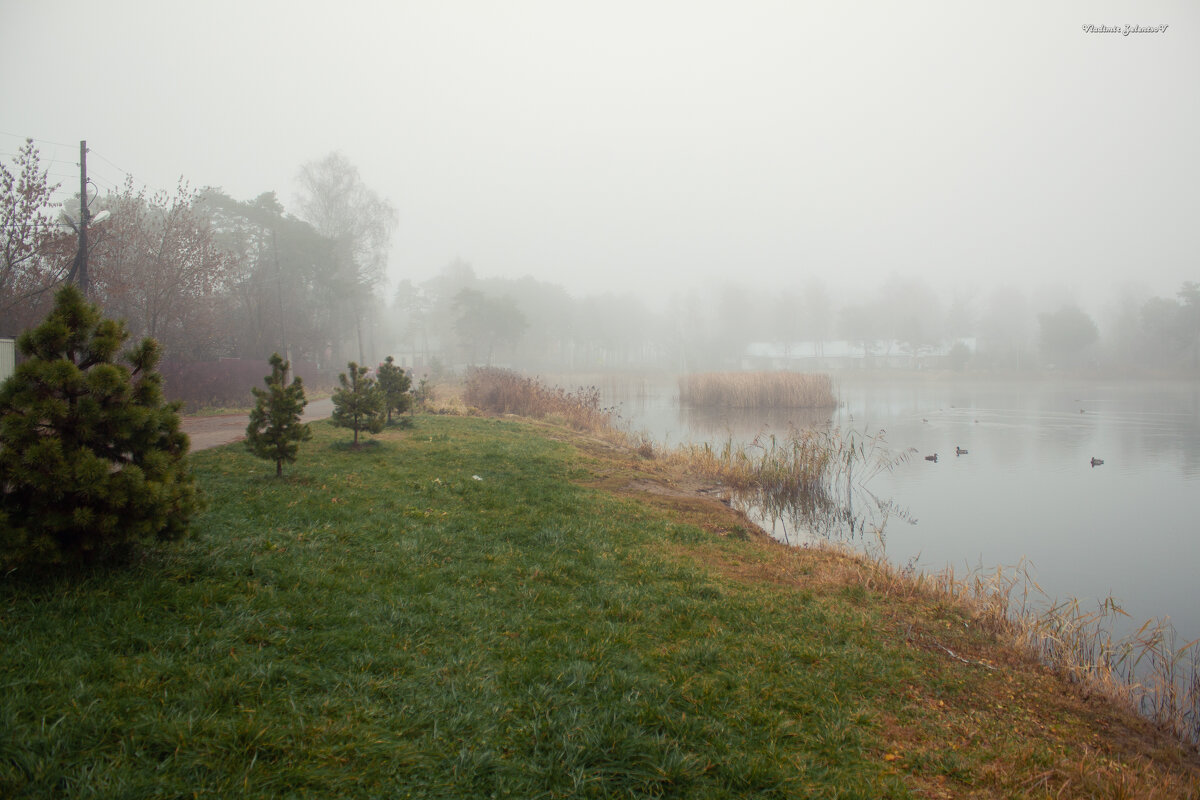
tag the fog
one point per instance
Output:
(659, 146)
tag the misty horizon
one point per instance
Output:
(657, 148)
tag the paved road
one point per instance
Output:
(206, 432)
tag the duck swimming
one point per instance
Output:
(958, 451)
(931, 458)
(1097, 461)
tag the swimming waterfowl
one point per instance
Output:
(958, 451)
(1097, 461)
(931, 458)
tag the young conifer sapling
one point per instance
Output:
(395, 383)
(275, 430)
(358, 404)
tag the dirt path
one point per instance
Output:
(206, 432)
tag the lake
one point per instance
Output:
(1026, 489)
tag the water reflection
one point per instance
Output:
(1026, 490)
(743, 425)
(858, 519)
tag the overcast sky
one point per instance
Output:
(654, 145)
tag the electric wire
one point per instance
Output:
(36, 139)
(108, 182)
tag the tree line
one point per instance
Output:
(458, 318)
(205, 275)
(210, 276)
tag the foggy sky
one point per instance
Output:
(656, 145)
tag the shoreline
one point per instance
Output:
(491, 605)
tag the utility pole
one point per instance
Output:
(287, 356)
(81, 276)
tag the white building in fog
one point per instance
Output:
(845, 354)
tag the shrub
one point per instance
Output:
(423, 394)
(502, 391)
(92, 458)
(275, 430)
(358, 404)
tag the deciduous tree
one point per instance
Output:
(161, 268)
(339, 205)
(483, 322)
(27, 268)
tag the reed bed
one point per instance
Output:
(801, 465)
(502, 391)
(757, 390)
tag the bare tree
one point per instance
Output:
(160, 267)
(28, 267)
(334, 199)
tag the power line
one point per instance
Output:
(112, 185)
(34, 138)
(108, 186)
(110, 163)
(124, 172)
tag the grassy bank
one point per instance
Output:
(477, 607)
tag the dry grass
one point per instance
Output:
(501, 391)
(1147, 672)
(443, 397)
(757, 390)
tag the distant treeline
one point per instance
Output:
(213, 278)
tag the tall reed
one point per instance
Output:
(812, 476)
(1147, 670)
(757, 390)
(502, 391)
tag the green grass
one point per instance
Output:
(380, 623)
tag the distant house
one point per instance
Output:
(843, 354)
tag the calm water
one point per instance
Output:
(1026, 488)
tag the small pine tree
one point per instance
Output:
(394, 382)
(359, 403)
(275, 430)
(92, 458)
